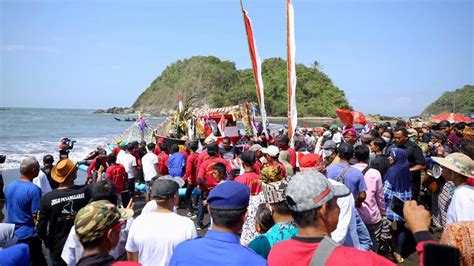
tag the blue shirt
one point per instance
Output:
(23, 199)
(17, 255)
(353, 178)
(176, 163)
(215, 248)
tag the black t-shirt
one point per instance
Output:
(56, 215)
(415, 157)
(47, 171)
(414, 153)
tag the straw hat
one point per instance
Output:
(458, 162)
(63, 170)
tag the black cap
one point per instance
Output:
(345, 150)
(248, 157)
(164, 189)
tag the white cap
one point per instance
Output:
(271, 150)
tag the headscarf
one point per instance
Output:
(461, 236)
(398, 174)
(284, 158)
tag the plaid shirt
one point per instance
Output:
(388, 194)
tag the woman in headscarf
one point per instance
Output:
(397, 184)
(284, 158)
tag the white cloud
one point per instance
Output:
(17, 48)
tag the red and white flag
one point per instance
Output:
(256, 66)
(180, 103)
(291, 50)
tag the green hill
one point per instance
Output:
(218, 83)
(462, 99)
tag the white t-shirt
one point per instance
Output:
(73, 249)
(155, 236)
(461, 207)
(42, 182)
(152, 206)
(148, 163)
(128, 161)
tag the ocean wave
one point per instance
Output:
(16, 151)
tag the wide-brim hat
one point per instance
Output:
(457, 162)
(63, 170)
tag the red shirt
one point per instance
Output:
(163, 163)
(92, 166)
(205, 172)
(191, 169)
(117, 173)
(116, 150)
(294, 252)
(292, 157)
(252, 180)
(136, 154)
(201, 158)
(157, 150)
(257, 166)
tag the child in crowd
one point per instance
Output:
(263, 219)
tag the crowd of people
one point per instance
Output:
(332, 196)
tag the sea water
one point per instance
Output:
(37, 132)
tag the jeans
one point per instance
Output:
(35, 249)
(402, 234)
(201, 208)
(188, 197)
(363, 233)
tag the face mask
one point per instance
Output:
(371, 156)
(326, 153)
(411, 139)
(387, 140)
(263, 160)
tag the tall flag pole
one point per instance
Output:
(291, 50)
(256, 66)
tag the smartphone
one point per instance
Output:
(397, 206)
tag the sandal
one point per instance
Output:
(398, 258)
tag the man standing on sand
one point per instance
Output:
(58, 209)
(23, 199)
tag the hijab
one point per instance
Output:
(284, 158)
(398, 174)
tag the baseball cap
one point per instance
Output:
(271, 150)
(230, 195)
(93, 221)
(164, 188)
(248, 157)
(329, 144)
(310, 190)
(345, 149)
(274, 192)
(256, 147)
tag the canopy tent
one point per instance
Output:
(451, 117)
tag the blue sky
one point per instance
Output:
(390, 57)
